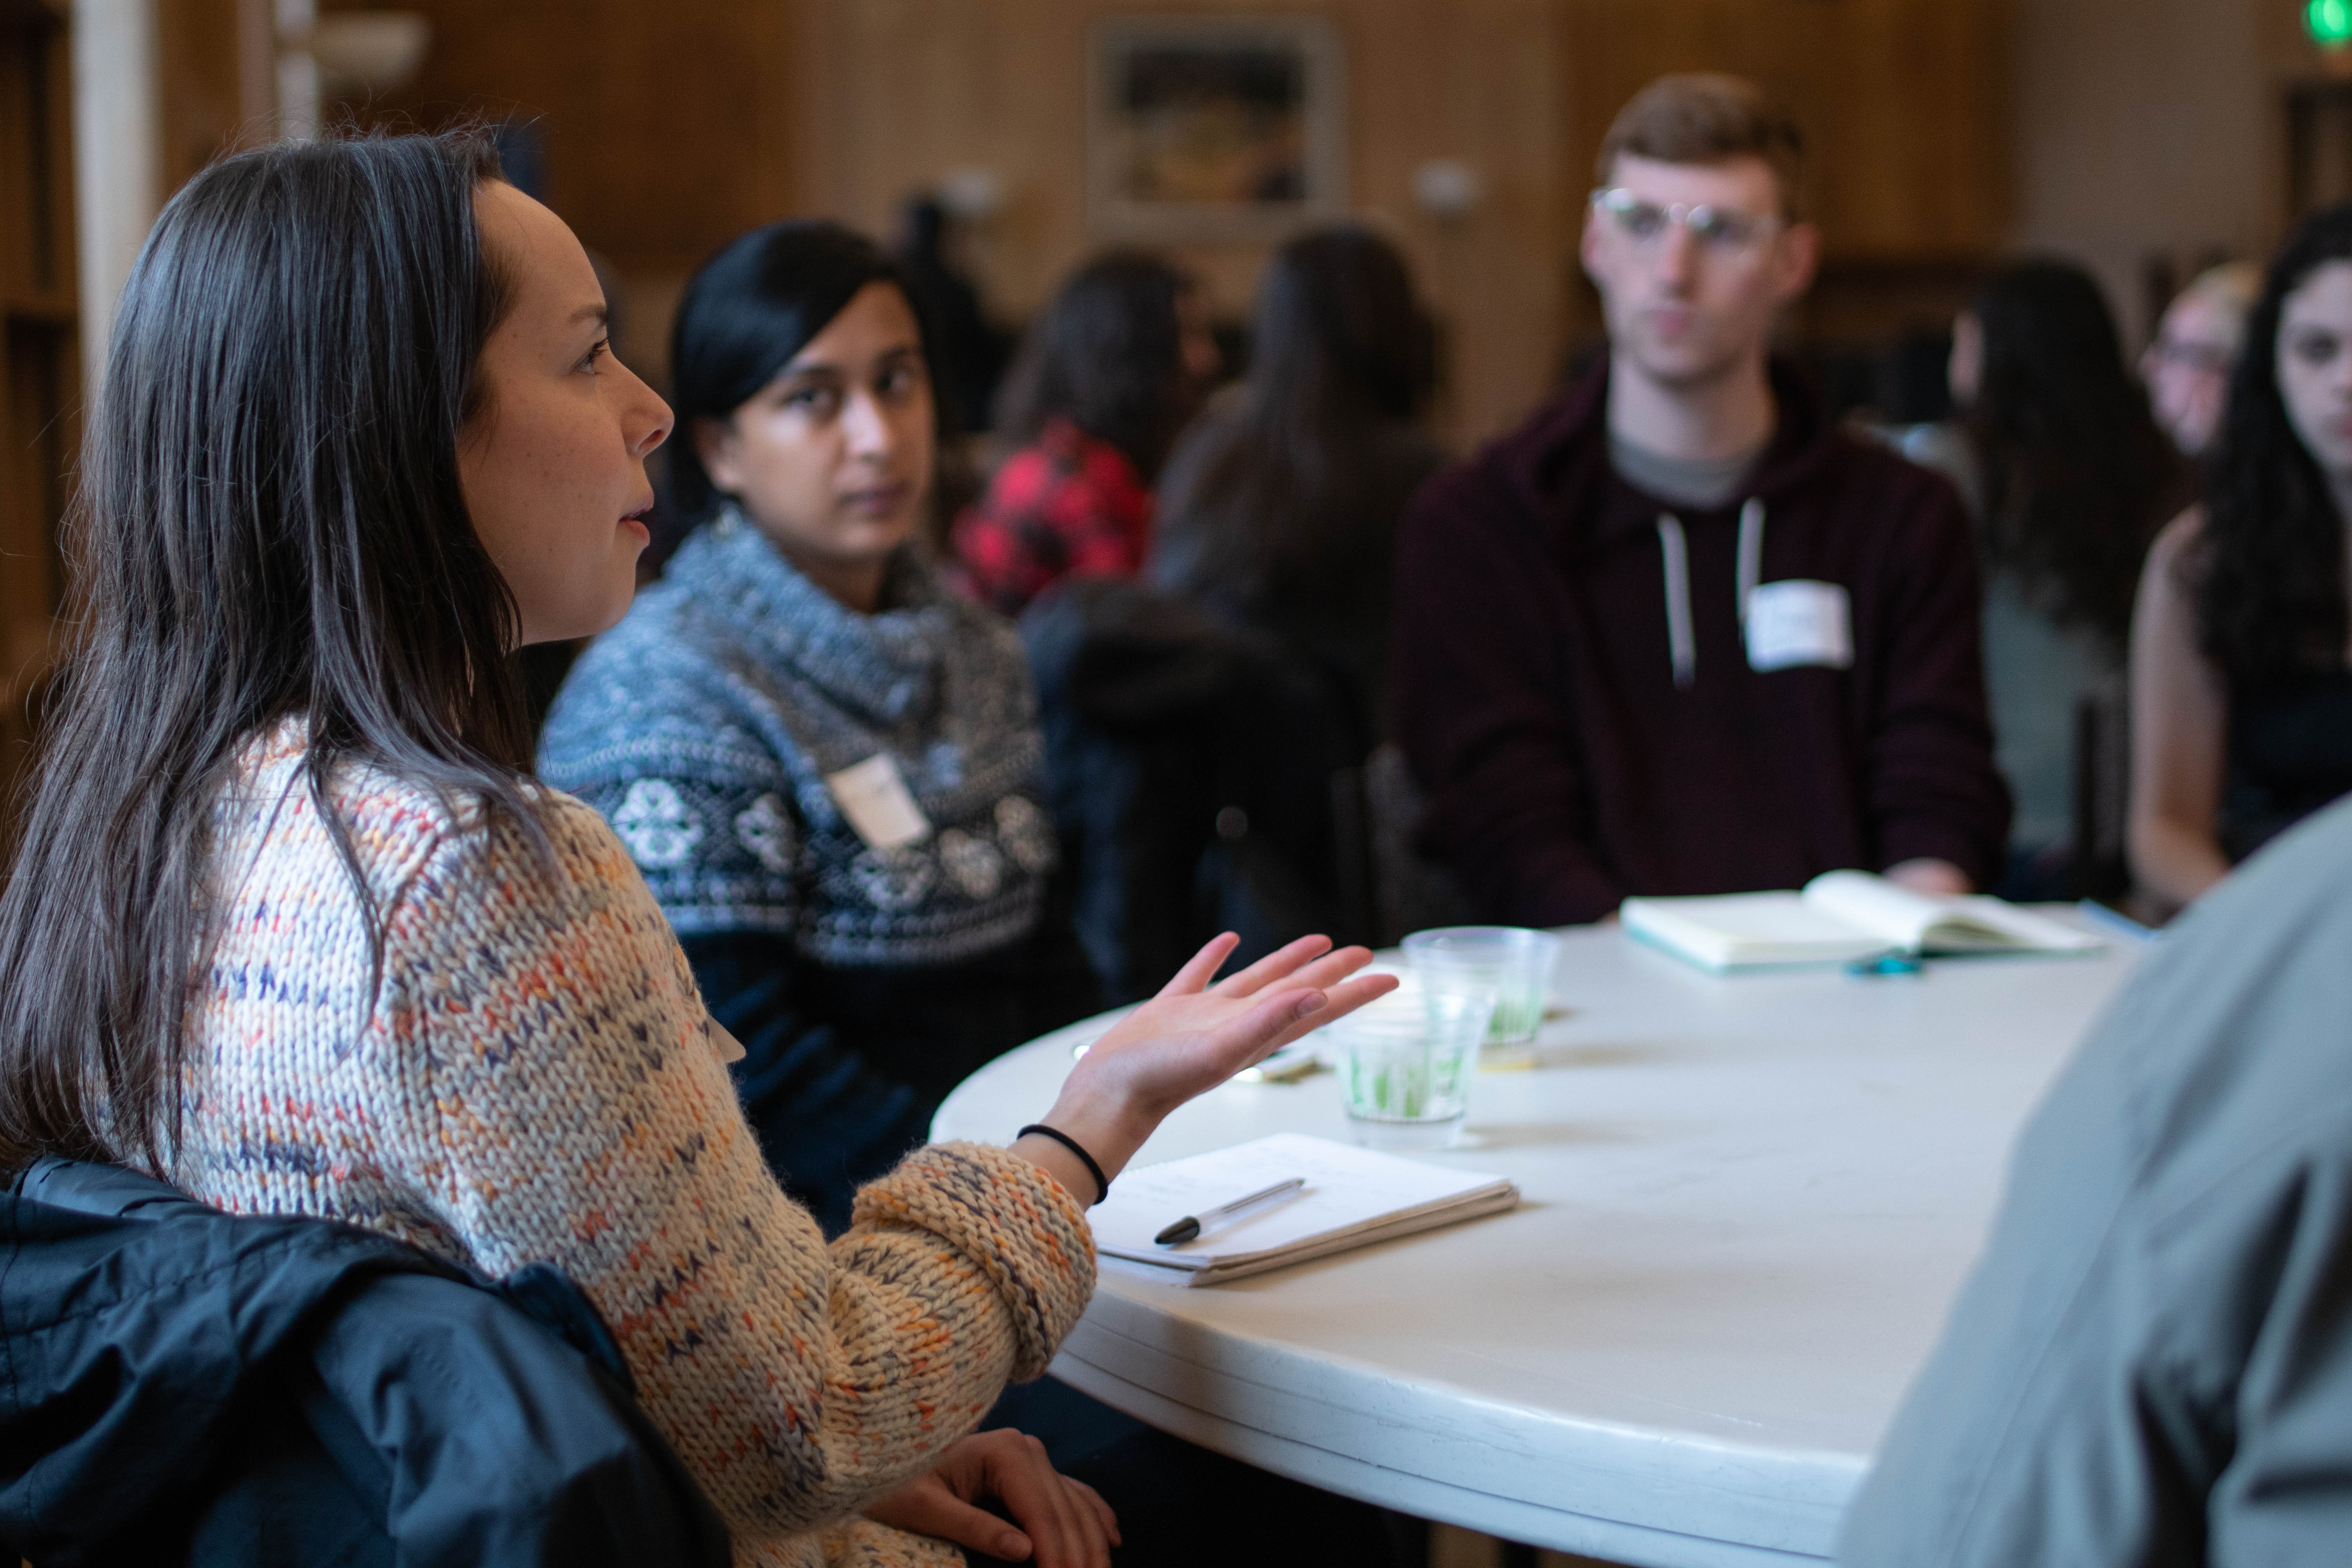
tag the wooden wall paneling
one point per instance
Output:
(1912, 128)
(1901, 101)
(2149, 135)
(203, 100)
(896, 93)
(1904, 105)
(1613, 47)
(2282, 54)
(201, 71)
(1477, 82)
(667, 130)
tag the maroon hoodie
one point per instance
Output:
(1574, 688)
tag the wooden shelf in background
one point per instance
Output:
(29, 655)
(40, 368)
(50, 311)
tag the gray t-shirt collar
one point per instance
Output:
(1700, 483)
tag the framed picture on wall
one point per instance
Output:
(1214, 128)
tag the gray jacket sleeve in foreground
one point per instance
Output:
(2152, 1363)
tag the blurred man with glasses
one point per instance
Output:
(2187, 366)
(1678, 633)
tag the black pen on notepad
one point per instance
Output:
(1185, 1229)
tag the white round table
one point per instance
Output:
(1746, 1203)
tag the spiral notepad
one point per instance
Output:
(1353, 1198)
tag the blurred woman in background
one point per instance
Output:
(825, 764)
(1278, 509)
(1109, 371)
(2056, 454)
(2242, 696)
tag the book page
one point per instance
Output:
(1977, 923)
(1418, 1222)
(1729, 929)
(2009, 926)
(1876, 905)
(1347, 1187)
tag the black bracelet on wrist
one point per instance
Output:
(1102, 1183)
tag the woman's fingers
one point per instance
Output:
(1202, 966)
(1093, 1500)
(1186, 1041)
(933, 1504)
(1364, 988)
(1057, 1522)
(1338, 1003)
(958, 1520)
(1308, 961)
(1248, 1037)
(1332, 968)
(1282, 1014)
(1022, 1478)
(1274, 966)
(1090, 1522)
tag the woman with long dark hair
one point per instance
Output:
(2070, 478)
(1112, 368)
(798, 644)
(2242, 695)
(292, 925)
(1278, 510)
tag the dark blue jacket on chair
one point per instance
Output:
(182, 1385)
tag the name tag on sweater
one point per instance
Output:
(1798, 622)
(880, 808)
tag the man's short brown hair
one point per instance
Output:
(1705, 117)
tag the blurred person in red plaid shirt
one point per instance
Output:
(1112, 369)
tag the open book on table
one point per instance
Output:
(1353, 1198)
(1842, 915)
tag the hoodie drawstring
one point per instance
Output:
(1682, 645)
(1681, 649)
(1751, 555)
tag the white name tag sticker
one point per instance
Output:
(875, 800)
(1798, 622)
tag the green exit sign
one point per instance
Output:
(2329, 22)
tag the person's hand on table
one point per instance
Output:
(1937, 879)
(1057, 1522)
(1190, 1038)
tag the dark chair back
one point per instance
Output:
(1204, 778)
(2102, 778)
(1408, 891)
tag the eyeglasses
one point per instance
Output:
(2211, 359)
(1726, 231)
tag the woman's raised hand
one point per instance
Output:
(1190, 1038)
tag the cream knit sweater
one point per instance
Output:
(532, 1081)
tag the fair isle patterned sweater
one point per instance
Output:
(704, 726)
(533, 1081)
